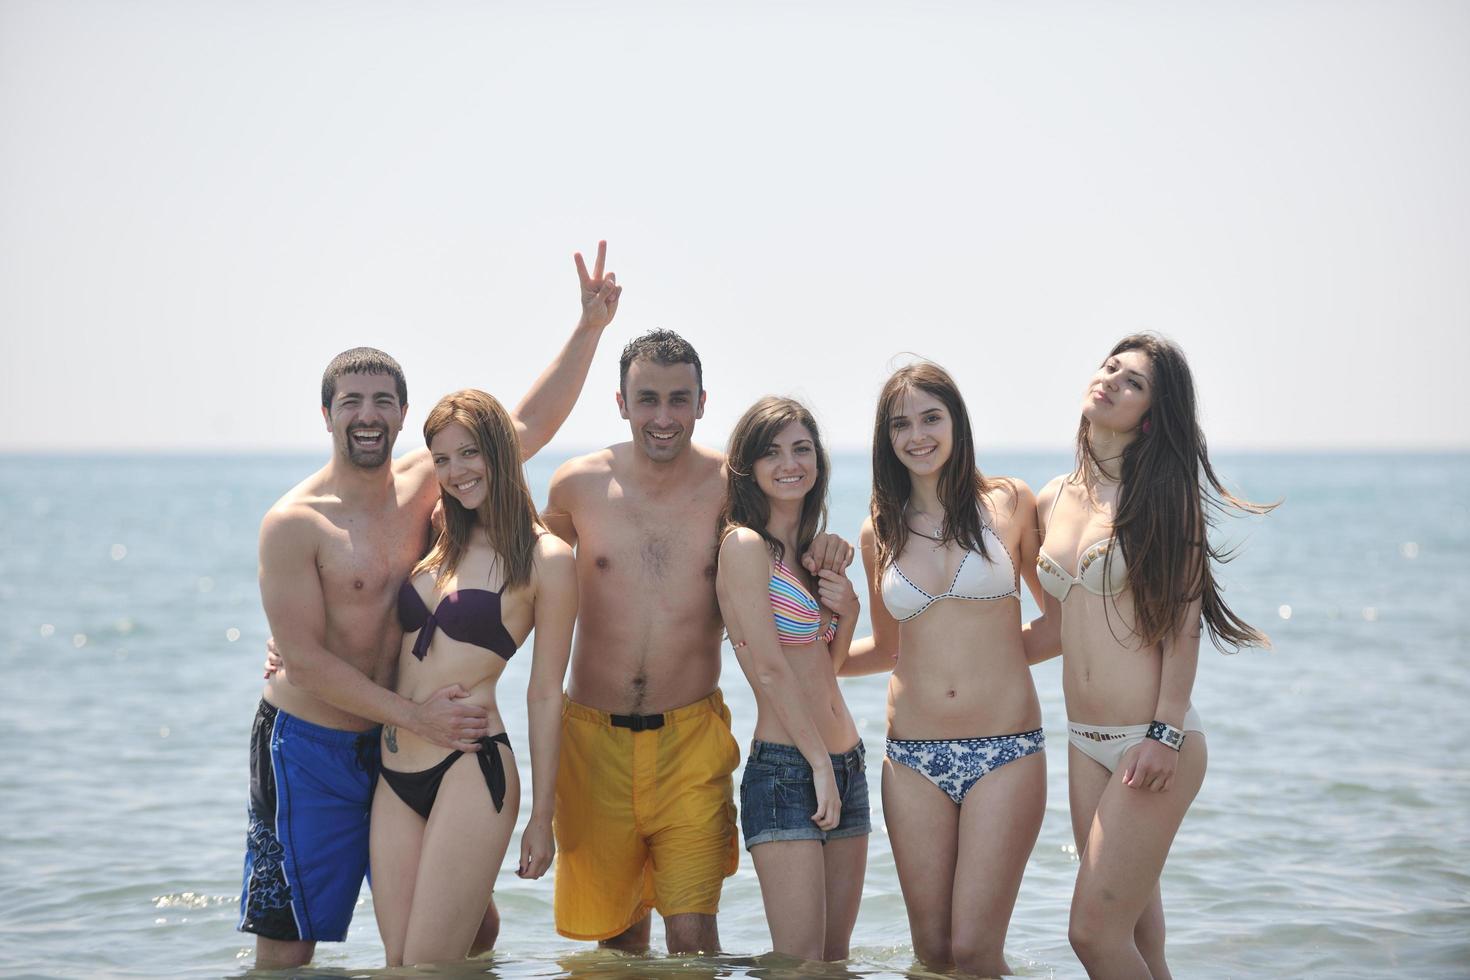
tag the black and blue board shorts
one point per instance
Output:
(306, 849)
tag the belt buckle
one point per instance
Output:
(639, 723)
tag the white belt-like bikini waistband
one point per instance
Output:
(1192, 723)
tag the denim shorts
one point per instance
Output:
(778, 796)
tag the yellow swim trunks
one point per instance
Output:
(645, 815)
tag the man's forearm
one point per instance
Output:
(328, 678)
(551, 398)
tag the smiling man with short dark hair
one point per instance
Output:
(333, 552)
(645, 812)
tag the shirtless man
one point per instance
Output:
(645, 816)
(333, 553)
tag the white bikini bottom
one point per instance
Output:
(1105, 744)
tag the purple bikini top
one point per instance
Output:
(466, 615)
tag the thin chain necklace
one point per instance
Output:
(925, 534)
(1096, 473)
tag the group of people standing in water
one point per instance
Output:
(396, 592)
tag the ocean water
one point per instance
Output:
(1331, 839)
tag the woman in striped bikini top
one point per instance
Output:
(798, 616)
(791, 630)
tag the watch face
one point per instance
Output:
(1167, 734)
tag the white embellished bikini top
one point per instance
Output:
(982, 578)
(1095, 572)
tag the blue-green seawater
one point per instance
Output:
(1331, 839)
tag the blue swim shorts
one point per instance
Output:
(778, 797)
(306, 849)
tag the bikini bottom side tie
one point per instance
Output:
(418, 789)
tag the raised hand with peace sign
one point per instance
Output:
(599, 292)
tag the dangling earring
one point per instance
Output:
(1147, 426)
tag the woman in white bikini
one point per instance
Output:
(964, 781)
(1129, 575)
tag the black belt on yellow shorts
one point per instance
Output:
(638, 723)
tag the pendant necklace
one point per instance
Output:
(936, 537)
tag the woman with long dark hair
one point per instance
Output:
(1129, 572)
(964, 781)
(804, 795)
(441, 824)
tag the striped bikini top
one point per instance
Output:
(798, 617)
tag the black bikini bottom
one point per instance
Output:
(418, 789)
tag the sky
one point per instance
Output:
(202, 202)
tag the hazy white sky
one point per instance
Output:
(202, 202)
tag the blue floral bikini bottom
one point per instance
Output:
(956, 765)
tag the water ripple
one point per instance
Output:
(1329, 839)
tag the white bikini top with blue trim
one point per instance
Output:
(983, 578)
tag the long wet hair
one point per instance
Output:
(745, 503)
(1168, 499)
(507, 516)
(961, 484)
